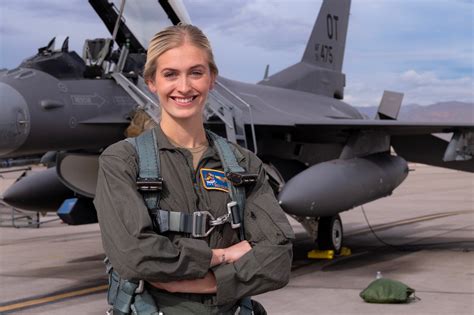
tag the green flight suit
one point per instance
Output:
(137, 252)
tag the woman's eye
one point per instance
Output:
(169, 75)
(196, 73)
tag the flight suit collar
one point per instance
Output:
(211, 152)
(162, 139)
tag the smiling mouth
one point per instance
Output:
(184, 100)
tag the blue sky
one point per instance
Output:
(423, 48)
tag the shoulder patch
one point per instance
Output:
(214, 180)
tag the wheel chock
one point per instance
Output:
(345, 251)
(321, 254)
(328, 254)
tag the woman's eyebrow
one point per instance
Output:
(191, 68)
(197, 66)
(168, 69)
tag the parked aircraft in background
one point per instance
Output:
(321, 155)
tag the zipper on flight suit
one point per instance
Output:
(194, 175)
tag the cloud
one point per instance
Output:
(422, 88)
(270, 25)
(427, 87)
(419, 79)
(422, 48)
(46, 9)
(45, 20)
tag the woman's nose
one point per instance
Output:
(184, 85)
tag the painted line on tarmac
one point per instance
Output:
(52, 298)
(381, 227)
(385, 226)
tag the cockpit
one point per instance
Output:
(131, 24)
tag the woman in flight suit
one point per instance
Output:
(187, 275)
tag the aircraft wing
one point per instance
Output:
(414, 141)
(391, 127)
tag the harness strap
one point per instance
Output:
(128, 297)
(125, 297)
(144, 304)
(149, 181)
(172, 221)
(246, 307)
(230, 165)
(198, 224)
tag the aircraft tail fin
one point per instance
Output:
(327, 42)
(319, 71)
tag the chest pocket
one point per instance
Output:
(265, 220)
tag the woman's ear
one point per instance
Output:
(213, 81)
(151, 86)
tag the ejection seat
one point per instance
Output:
(94, 53)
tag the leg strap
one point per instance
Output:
(125, 297)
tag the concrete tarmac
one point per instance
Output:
(426, 226)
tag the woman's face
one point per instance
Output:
(182, 81)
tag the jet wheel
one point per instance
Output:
(330, 233)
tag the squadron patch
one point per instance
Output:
(214, 180)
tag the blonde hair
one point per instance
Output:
(172, 37)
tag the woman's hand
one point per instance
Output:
(206, 285)
(230, 254)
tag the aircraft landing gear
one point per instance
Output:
(330, 233)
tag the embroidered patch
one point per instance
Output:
(213, 179)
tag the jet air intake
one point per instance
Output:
(330, 187)
(14, 120)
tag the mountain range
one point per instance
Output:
(439, 112)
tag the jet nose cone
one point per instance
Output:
(14, 119)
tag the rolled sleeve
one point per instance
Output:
(268, 265)
(134, 249)
(264, 268)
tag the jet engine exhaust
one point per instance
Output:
(330, 187)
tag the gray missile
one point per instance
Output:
(330, 187)
(38, 191)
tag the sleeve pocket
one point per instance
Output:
(265, 220)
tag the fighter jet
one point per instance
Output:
(321, 155)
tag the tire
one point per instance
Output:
(330, 233)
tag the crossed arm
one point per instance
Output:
(208, 284)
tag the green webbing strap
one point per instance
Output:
(230, 164)
(237, 194)
(172, 221)
(124, 298)
(127, 300)
(149, 168)
(149, 164)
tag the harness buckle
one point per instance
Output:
(200, 223)
(234, 214)
(108, 265)
(150, 184)
(239, 178)
(140, 288)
